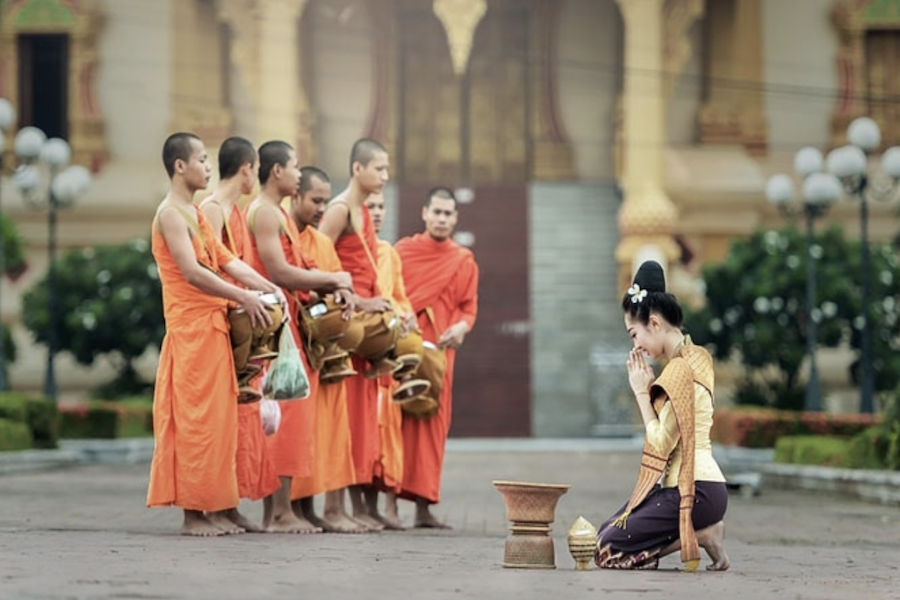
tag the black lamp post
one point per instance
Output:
(45, 182)
(820, 190)
(850, 164)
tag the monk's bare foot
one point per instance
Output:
(712, 539)
(221, 520)
(342, 523)
(368, 521)
(426, 520)
(290, 523)
(391, 522)
(243, 522)
(196, 524)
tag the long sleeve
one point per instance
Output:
(663, 434)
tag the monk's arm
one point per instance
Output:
(178, 240)
(213, 214)
(267, 230)
(334, 221)
(247, 275)
(467, 309)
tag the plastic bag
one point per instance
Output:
(270, 415)
(286, 378)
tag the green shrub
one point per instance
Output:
(14, 406)
(14, 435)
(108, 420)
(38, 413)
(867, 450)
(828, 451)
(754, 427)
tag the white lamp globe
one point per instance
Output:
(29, 142)
(864, 133)
(821, 189)
(847, 161)
(80, 177)
(808, 160)
(56, 153)
(26, 178)
(779, 189)
(890, 162)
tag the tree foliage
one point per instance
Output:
(108, 302)
(756, 308)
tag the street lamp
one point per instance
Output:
(850, 164)
(820, 190)
(45, 180)
(7, 117)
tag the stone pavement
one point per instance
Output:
(83, 532)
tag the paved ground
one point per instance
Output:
(84, 533)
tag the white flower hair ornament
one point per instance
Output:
(636, 293)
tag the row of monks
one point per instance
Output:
(298, 244)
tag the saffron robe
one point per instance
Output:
(362, 393)
(333, 450)
(442, 276)
(389, 467)
(195, 422)
(255, 472)
(292, 447)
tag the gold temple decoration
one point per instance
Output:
(680, 16)
(460, 19)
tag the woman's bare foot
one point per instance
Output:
(196, 524)
(222, 520)
(712, 539)
(290, 523)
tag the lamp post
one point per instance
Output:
(7, 117)
(820, 190)
(850, 164)
(45, 181)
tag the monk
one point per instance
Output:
(348, 223)
(442, 282)
(274, 251)
(333, 471)
(195, 418)
(238, 171)
(389, 468)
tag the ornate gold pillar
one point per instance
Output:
(647, 217)
(733, 112)
(265, 55)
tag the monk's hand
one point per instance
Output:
(454, 336)
(342, 280)
(255, 308)
(640, 374)
(348, 300)
(373, 305)
(282, 300)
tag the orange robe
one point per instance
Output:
(443, 276)
(255, 472)
(389, 468)
(333, 452)
(362, 393)
(195, 422)
(292, 447)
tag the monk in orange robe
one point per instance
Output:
(238, 172)
(274, 250)
(195, 420)
(333, 471)
(389, 468)
(442, 282)
(348, 223)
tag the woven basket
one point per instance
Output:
(530, 502)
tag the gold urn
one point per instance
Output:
(582, 543)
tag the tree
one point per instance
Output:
(110, 304)
(12, 266)
(756, 308)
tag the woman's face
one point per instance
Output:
(648, 338)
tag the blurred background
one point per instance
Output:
(583, 136)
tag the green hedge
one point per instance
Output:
(14, 435)
(827, 451)
(39, 414)
(127, 418)
(762, 427)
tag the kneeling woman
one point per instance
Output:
(680, 497)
